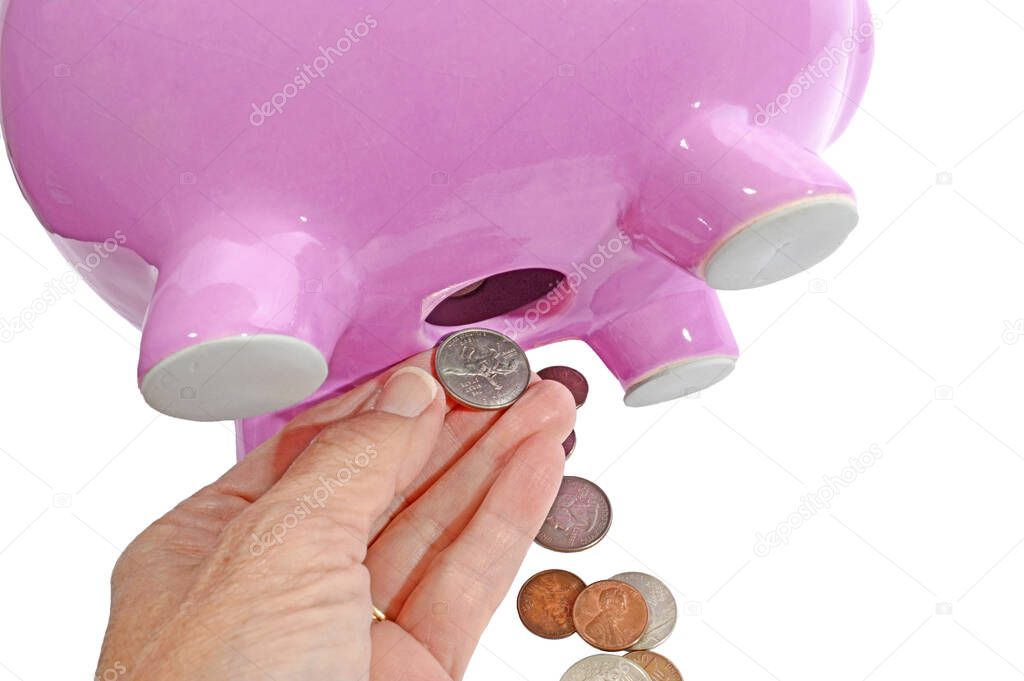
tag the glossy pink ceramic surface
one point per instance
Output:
(331, 171)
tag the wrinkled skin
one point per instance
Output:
(272, 571)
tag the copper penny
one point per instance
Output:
(610, 615)
(571, 379)
(545, 603)
(657, 666)
(570, 444)
(579, 518)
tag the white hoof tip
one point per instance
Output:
(783, 243)
(679, 380)
(235, 378)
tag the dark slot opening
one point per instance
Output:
(494, 296)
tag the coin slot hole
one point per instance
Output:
(494, 296)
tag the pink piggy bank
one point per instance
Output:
(289, 197)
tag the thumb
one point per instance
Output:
(352, 470)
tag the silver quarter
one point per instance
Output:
(579, 518)
(606, 668)
(661, 606)
(482, 369)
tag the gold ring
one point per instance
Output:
(378, 615)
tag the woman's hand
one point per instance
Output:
(387, 497)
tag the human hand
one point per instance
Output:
(387, 496)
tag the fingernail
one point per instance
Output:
(407, 393)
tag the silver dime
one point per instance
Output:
(606, 668)
(482, 369)
(661, 606)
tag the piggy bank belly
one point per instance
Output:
(296, 196)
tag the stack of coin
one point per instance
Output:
(632, 611)
(638, 666)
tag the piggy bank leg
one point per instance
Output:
(757, 207)
(669, 348)
(237, 330)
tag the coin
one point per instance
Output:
(660, 604)
(469, 290)
(579, 518)
(545, 603)
(482, 369)
(571, 379)
(570, 444)
(657, 666)
(606, 668)
(610, 615)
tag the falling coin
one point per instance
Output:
(606, 668)
(610, 615)
(657, 666)
(570, 444)
(482, 369)
(571, 379)
(579, 518)
(660, 604)
(545, 603)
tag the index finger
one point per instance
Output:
(251, 477)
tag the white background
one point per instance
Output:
(899, 341)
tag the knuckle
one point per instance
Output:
(339, 440)
(349, 437)
(317, 536)
(427, 528)
(351, 445)
(352, 583)
(331, 530)
(122, 571)
(506, 530)
(476, 586)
